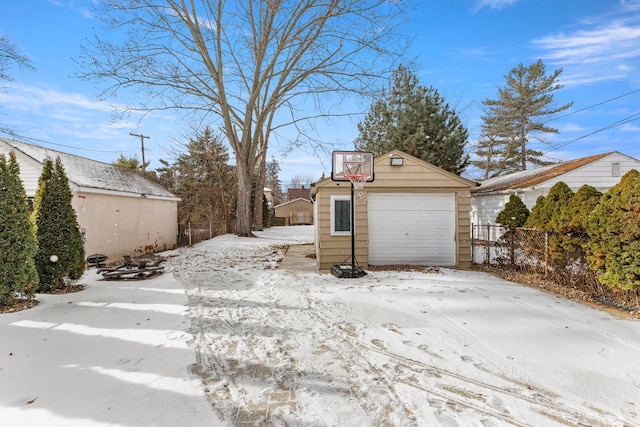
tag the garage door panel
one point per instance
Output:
(411, 229)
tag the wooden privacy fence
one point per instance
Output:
(192, 233)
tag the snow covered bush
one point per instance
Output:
(18, 277)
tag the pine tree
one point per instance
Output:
(18, 276)
(60, 246)
(518, 116)
(514, 214)
(417, 120)
(614, 234)
(203, 179)
(272, 180)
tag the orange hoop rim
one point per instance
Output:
(359, 177)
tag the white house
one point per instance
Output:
(119, 211)
(601, 171)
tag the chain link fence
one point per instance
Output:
(192, 233)
(551, 256)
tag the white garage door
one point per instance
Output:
(417, 229)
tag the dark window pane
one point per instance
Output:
(342, 215)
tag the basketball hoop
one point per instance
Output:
(357, 168)
(357, 180)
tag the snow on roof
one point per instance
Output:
(531, 177)
(89, 173)
(294, 200)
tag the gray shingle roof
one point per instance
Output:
(89, 173)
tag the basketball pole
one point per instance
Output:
(353, 233)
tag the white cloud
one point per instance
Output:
(571, 127)
(615, 42)
(599, 49)
(29, 98)
(493, 4)
(629, 128)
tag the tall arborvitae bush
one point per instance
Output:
(572, 233)
(514, 214)
(60, 246)
(574, 217)
(18, 277)
(546, 215)
(614, 235)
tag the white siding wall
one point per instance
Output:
(597, 174)
(486, 207)
(29, 169)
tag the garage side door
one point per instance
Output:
(407, 228)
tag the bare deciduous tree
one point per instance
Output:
(10, 56)
(252, 66)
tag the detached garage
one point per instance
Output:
(412, 213)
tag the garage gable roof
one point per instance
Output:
(299, 199)
(531, 177)
(382, 170)
(384, 158)
(88, 174)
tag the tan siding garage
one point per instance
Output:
(412, 228)
(413, 213)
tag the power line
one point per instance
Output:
(595, 105)
(68, 146)
(626, 120)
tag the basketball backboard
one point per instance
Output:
(346, 164)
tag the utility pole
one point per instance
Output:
(142, 137)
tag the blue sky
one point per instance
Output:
(464, 48)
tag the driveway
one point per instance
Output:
(248, 332)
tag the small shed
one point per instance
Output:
(295, 212)
(601, 171)
(413, 213)
(119, 211)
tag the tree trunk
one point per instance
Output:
(243, 213)
(259, 193)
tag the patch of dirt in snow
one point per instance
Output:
(286, 346)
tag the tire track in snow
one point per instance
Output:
(232, 338)
(447, 396)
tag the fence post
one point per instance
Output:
(189, 225)
(473, 246)
(488, 240)
(546, 253)
(210, 231)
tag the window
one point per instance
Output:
(340, 215)
(615, 169)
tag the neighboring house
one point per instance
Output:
(268, 195)
(298, 193)
(413, 213)
(119, 211)
(295, 212)
(601, 171)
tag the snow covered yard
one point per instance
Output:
(285, 345)
(268, 340)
